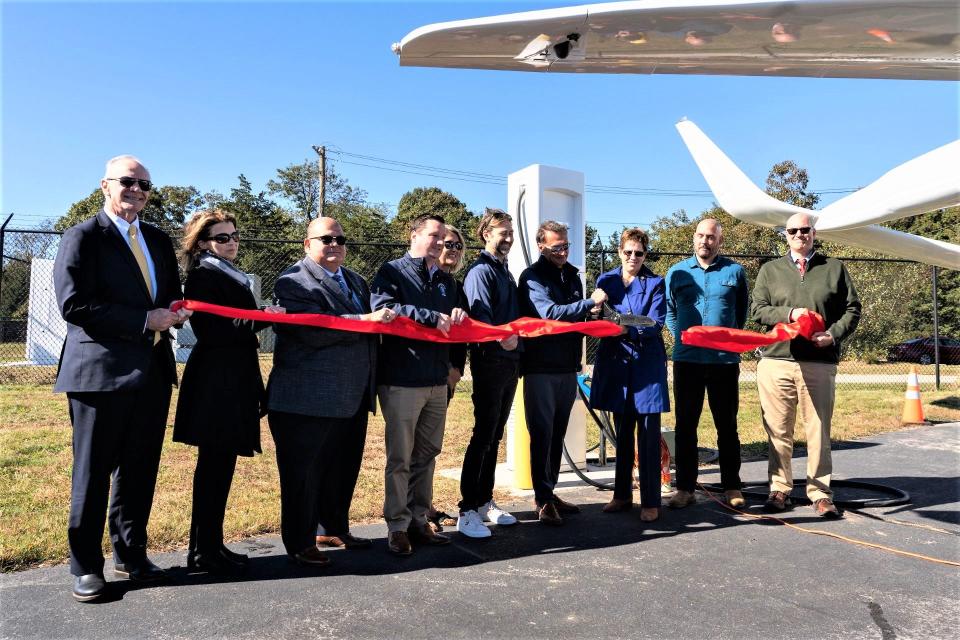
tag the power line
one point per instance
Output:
(462, 175)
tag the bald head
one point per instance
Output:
(707, 240)
(325, 243)
(801, 234)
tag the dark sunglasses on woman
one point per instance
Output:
(224, 238)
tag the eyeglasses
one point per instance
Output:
(340, 240)
(126, 182)
(452, 245)
(224, 238)
(795, 231)
(639, 253)
(559, 248)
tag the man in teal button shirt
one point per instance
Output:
(709, 290)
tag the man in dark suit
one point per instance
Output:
(115, 278)
(319, 395)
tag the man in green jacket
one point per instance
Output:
(799, 376)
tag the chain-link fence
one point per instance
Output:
(880, 353)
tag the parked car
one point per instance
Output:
(921, 350)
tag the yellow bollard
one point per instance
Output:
(521, 443)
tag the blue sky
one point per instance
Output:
(205, 91)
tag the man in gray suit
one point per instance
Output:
(320, 390)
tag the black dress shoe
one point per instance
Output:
(215, 562)
(143, 571)
(351, 541)
(233, 556)
(89, 587)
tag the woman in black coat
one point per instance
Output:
(222, 393)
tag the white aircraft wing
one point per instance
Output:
(928, 182)
(915, 39)
(744, 200)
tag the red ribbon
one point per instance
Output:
(468, 331)
(739, 341)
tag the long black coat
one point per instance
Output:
(222, 391)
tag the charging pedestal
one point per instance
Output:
(535, 194)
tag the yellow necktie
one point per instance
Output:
(144, 269)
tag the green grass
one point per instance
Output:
(36, 458)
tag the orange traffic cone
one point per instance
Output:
(912, 407)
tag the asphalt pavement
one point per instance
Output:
(700, 572)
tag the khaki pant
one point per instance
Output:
(414, 418)
(786, 389)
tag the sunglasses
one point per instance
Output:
(452, 245)
(630, 254)
(340, 240)
(126, 182)
(224, 238)
(795, 231)
(559, 248)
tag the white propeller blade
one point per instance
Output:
(928, 182)
(733, 189)
(744, 200)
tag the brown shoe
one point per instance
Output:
(649, 514)
(826, 509)
(617, 505)
(682, 499)
(344, 541)
(565, 507)
(398, 543)
(312, 557)
(549, 514)
(424, 535)
(776, 502)
(735, 498)
(331, 541)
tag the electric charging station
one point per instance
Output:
(535, 194)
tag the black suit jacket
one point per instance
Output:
(103, 298)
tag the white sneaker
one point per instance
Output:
(470, 525)
(490, 512)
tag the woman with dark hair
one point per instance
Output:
(630, 375)
(222, 391)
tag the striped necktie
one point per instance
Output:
(144, 269)
(802, 265)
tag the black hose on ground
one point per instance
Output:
(898, 496)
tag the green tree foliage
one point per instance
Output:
(788, 183)
(260, 217)
(432, 200)
(943, 224)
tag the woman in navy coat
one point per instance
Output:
(222, 392)
(630, 375)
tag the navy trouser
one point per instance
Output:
(721, 382)
(644, 429)
(300, 442)
(547, 401)
(343, 456)
(117, 437)
(494, 387)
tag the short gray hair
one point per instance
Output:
(115, 159)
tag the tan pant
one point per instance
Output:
(786, 389)
(414, 417)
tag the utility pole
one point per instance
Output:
(322, 166)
